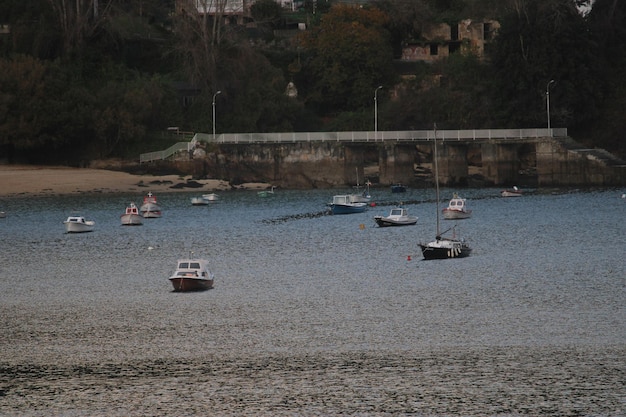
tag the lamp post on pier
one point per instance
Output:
(213, 104)
(376, 109)
(548, 104)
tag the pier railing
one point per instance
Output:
(362, 136)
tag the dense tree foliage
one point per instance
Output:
(349, 56)
(79, 82)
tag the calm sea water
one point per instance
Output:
(312, 314)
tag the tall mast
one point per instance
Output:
(436, 177)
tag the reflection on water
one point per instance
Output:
(314, 314)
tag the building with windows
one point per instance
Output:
(439, 40)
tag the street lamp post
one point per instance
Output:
(376, 108)
(213, 104)
(548, 104)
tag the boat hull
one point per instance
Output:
(450, 214)
(348, 209)
(78, 228)
(151, 214)
(385, 222)
(131, 220)
(511, 193)
(436, 251)
(183, 284)
(199, 201)
(210, 197)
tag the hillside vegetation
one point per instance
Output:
(78, 84)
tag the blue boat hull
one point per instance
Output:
(341, 209)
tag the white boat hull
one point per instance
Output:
(72, 227)
(199, 201)
(449, 214)
(131, 219)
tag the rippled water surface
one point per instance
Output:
(315, 315)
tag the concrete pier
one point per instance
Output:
(533, 161)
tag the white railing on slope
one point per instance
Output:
(160, 155)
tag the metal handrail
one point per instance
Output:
(358, 136)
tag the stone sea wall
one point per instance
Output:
(307, 165)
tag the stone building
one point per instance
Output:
(439, 40)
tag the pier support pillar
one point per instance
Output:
(500, 162)
(395, 163)
(452, 164)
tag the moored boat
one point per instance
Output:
(457, 209)
(398, 188)
(511, 192)
(192, 275)
(361, 196)
(443, 247)
(199, 201)
(398, 216)
(78, 224)
(150, 209)
(131, 216)
(210, 197)
(266, 193)
(342, 204)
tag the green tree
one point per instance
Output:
(607, 23)
(539, 41)
(350, 54)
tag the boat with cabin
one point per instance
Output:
(131, 216)
(78, 224)
(398, 216)
(150, 208)
(457, 209)
(192, 275)
(343, 204)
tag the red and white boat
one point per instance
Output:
(192, 275)
(511, 192)
(150, 209)
(131, 216)
(457, 209)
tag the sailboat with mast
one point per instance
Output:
(443, 247)
(361, 197)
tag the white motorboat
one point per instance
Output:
(511, 192)
(457, 209)
(150, 209)
(211, 197)
(2, 214)
(398, 216)
(192, 275)
(199, 201)
(78, 224)
(131, 216)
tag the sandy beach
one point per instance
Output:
(25, 180)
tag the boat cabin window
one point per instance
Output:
(183, 265)
(194, 265)
(396, 212)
